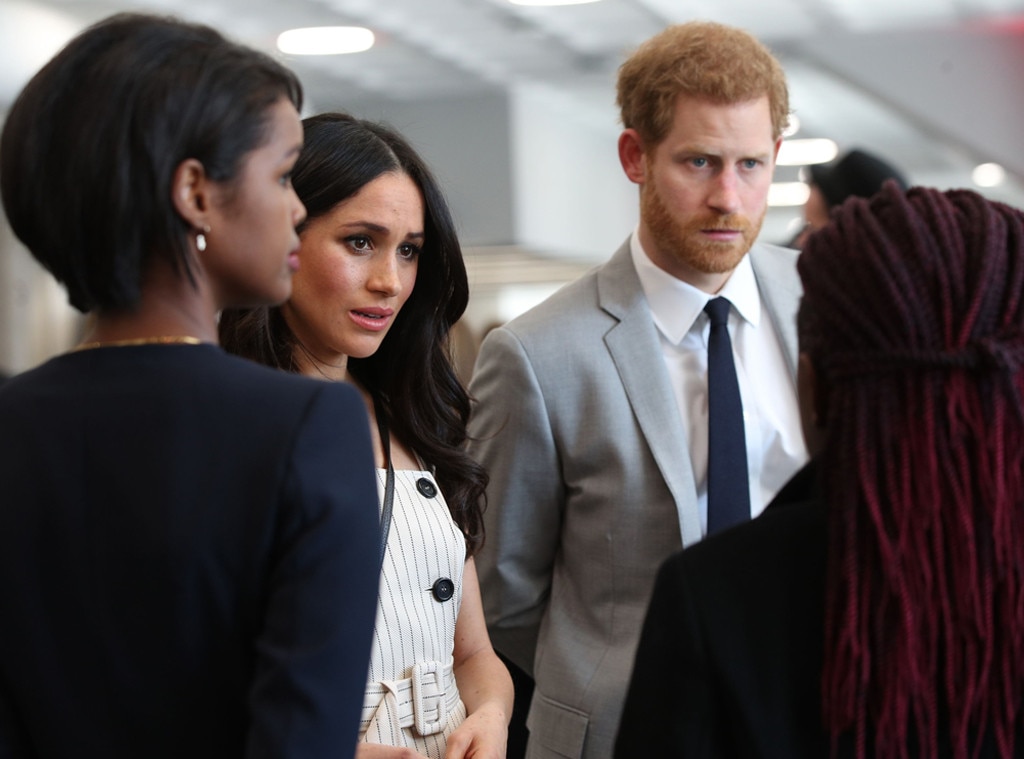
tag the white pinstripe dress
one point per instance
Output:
(411, 697)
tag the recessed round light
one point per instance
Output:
(988, 175)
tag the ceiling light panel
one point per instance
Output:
(803, 152)
(881, 14)
(325, 40)
(788, 194)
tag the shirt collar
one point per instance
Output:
(676, 305)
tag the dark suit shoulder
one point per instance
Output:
(197, 376)
(250, 387)
(729, 662)
(243, 381)
(779, 537)
(194, 416)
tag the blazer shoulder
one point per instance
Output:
(237, 386)
(264, 379)
(573, 297)
(777, 538)
(585, 304)
(774, 261)
(568, 311)
(775, 269)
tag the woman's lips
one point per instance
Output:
(373, 319)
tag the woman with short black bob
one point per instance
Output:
(381, 281)
(186, 538)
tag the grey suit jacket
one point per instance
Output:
(591, 488)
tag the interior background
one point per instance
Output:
(514, 109)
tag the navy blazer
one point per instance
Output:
(188, 558)
(730, 660)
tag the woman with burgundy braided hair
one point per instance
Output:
(915, 330)
(876, 609)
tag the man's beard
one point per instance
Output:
(687, 244)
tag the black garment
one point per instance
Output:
(518, 733)
(188, 558)
(729, 662)
(730, 659)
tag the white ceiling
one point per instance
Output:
(439, 48)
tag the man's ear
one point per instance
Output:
(191, 193)
(631, 156)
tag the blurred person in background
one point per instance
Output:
(858, 174)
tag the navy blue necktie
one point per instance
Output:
(728, 484)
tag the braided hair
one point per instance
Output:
(914, 321)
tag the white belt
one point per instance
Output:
(423, 700)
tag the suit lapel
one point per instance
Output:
(636, 352)
(780, 291)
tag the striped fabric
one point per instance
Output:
(413, 626)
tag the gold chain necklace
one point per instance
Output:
(162, 340)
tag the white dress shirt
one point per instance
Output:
(771, 417)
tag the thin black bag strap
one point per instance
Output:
(389, 485)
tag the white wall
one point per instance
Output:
(570, 193)
(465, 141)
(530, 169)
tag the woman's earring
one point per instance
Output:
(201, 239)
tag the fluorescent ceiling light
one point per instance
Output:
(988, 175)
(551, 2)
(325, 40)
(806, 152)
(788, 194)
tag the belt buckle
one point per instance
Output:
(429, 705)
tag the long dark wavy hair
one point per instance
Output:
(410, 376)
(913, 316)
